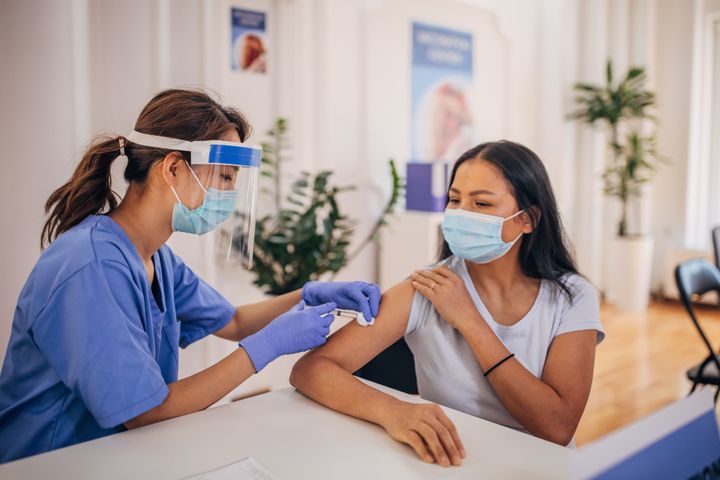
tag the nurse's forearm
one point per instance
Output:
(324, 381)
(254, 317)
(199, 391)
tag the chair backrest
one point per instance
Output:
(697, 277)
(394, 367)
(716, 245)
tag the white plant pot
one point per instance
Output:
(630, 264)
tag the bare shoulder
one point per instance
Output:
(397, 299)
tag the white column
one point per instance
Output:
(588, 222)
(557, 68)
(698, 150)
(642, 52)
(81, 71)
(210, 51)
(163, 53)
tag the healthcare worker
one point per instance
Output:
(96, 330)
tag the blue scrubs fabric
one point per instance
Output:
(91, 345)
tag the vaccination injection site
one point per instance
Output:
(360, 239)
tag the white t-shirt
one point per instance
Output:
(448, 372)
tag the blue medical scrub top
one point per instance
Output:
(91, 345)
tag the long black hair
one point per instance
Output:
(545, 252)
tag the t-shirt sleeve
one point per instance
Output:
(91, 333)
(201, 310)
(583, 312)
(420, 311)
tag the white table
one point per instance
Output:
(294, 438)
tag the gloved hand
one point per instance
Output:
(300, 328)
(359, 296)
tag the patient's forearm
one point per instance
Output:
(327, 383)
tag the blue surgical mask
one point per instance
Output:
(476, 237)
(217, 207)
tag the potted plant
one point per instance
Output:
(307, 236)
(623, 109)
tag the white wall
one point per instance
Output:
(37, 132)
(345, 89)
(557, 70)
(656, 34)
(73, 69)
(672, 81)
(340, 72)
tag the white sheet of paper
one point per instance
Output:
(245, 469)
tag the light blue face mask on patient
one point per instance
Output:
(217, 206)
(476, 237)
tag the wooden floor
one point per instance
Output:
(640, 367)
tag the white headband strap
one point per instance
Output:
(159, 142)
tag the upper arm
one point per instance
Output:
(99, 347)
(353, 346)
(569, 368)
(571, 355)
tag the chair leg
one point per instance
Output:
(692, 389)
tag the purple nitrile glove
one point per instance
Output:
(359, 296)
(300, 328)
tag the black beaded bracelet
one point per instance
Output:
(498, 364)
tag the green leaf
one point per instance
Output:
(312, 236)
(608, 72)
(635, 72)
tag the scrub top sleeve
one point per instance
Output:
(583, 313)
(200, 308)
(91, 333)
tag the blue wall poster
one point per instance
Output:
(442, 90)
(248, 42)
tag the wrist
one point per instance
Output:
(259, 349)
(388, 411)
(307, 295)
(472, 325)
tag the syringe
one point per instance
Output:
(353, 315)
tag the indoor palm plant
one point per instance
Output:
(623, 109)
(306, 235)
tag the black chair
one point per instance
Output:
(696, 277)
(716, 245)
(394, 367)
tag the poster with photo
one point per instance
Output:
(248, 39)
(442, 91)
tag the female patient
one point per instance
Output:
(503, 327)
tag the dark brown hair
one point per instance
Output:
(545, 252)
(184, 114)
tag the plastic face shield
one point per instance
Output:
(220, 194)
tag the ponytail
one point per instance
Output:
(88, 192)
